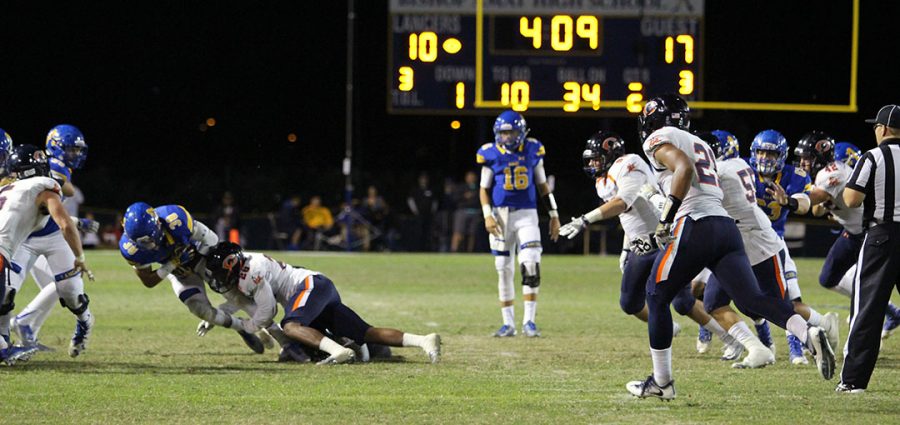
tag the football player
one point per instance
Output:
(67, 151)
(312, 305)
(26, 206)
(686, 170)
(512, 176)
(619, 178)
(169, 236)
(780, 189)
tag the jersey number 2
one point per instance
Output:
(706, 168)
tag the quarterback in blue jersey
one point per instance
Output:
(512, 176)
(47, 256)
(169, 236)
(780, 189)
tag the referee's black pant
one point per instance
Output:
(878, 273)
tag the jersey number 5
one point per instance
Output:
(706, 168)
(516, 178)
(749, 185)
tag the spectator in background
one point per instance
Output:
(318, 219)
(467, 216)
(290, 221)
(423, 204)
(226, 218)
(375, 210)
(443, 222)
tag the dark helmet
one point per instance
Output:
(816, 147)
(604, 146)
(668, 110)
(28, 161)
(224, 263)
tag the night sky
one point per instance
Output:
(140, 82)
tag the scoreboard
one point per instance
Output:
(602, 57)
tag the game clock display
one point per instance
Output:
(553, 56)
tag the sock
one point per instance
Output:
(662, 365)
(85, 316)
(530, 308)
(815, 319)
(39, 308)
(797, 326)
(845, 286)
(329, 346)
(412, 340)
(741, 332)
(713, 326)
(509, 315)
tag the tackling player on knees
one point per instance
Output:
(512, 174)
(312, 305)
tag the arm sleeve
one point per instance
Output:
(864, 170)
(540, 176)
(487, 177)
(204, 237)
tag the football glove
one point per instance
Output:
(204, 327)
(663, 234)
(87, 225)
(574, 227)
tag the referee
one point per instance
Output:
(874, 185)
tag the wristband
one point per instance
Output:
(487, 211)
(554, 214)
(792, 204)
(593, 216)
(669, 209)
(80, 258)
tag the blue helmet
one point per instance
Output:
(728, 145)
(6, 149)
(510, 121)
(769, 140)
(848, 153)
(142, 225)
(66, 143)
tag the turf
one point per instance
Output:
(146, 365)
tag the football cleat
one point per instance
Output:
(649, 388)
(765, 336)
(11, 355)
(817, 342)
(432, 346)
(891, 321)
(849, 389)
(832, 325)
(530, 330)
(293, 352)
(83, 329)
(505, 331)
(345, 355)
(361, 352)
(756, 358)
(732, 352)
(267, 340)
(252, 341)
(704, 337)
(796, 350)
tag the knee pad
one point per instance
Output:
(531, 274)
(83, 302)
(10, 303)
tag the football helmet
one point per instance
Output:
(768, 141)
(223, 264)
(668, 110)
(728, 146)
(28, 161)
(510, 121)
(142, 226)
(605, 147)
(817, 148)
(6, 149)
(848, 153)
(66, 143)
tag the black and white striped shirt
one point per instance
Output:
(876, 176)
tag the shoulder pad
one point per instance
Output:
(485, 154)
(800, 172)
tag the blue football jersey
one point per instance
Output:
(793, 180)
(61, 173)
(513, 172)
(177, 229)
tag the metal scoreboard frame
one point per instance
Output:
(460, 57)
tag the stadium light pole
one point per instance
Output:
(348, 126)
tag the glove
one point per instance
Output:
(267, 339)
(573, 228)
(87, 225)
(187, 257)
(623, 260)
(663, 234)
(204, 327)
(647, 190)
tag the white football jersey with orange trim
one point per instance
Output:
(704, 197)
(19, 212)
(738, 184)
(624, 181)
(832, 179)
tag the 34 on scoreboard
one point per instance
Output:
(457, 56)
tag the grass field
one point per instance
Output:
(146, 365)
